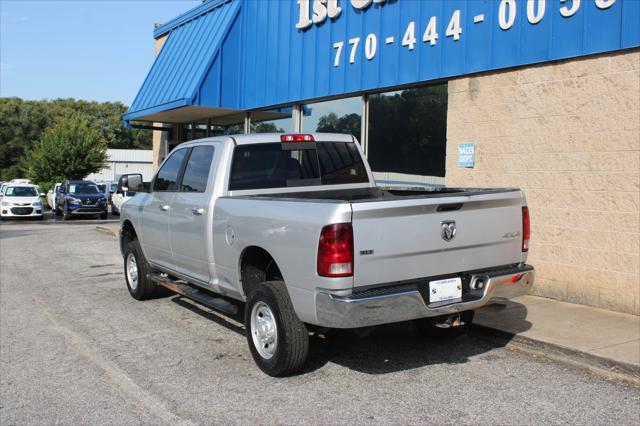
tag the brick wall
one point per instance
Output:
(568, 134)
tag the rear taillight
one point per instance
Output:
(526, 229)
(335, 251)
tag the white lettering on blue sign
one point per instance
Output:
(506, 12)
(324, 8)
(536, 10)
(466, 154)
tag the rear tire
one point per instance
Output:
(278, 340)
(428, 327)
(136, 269)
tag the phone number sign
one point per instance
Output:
(321, 48)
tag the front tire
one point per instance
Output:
(428, 327)
(136, 269)
(278, 340)
(103, 216)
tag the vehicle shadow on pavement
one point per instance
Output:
(379, 350)
(398, 347)
(218, 317)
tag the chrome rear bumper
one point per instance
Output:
(406, 303)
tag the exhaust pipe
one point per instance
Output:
(449, 321)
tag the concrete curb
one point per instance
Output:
(107, 230)
(616, 370)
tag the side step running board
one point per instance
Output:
(193, 293)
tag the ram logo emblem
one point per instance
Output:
(448, 230)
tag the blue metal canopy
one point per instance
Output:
(192, 46)
(226, 56)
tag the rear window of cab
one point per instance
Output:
(282, 165)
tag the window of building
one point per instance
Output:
(167, 177)
(196, 174)
(408, 131)
(339, 116)
(278, 120)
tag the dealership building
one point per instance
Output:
(543, 95)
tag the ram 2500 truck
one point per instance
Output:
(294, 225)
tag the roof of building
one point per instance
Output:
(193, 42)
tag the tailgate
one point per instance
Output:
(401, 239)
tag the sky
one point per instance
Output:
(97, 50)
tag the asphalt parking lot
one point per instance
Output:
(75, 348)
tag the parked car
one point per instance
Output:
(108, 188)
(113, 186)
(51, 196)
(80, 198)
(294, 225)
(21, 200)
(120, 197)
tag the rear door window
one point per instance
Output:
(167, 177)
(196, 174)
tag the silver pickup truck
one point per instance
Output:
(294, 225)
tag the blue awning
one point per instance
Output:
(193, 44)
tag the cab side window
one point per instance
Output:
(167, 177)
(196, 174)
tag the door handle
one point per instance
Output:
(197, 211)
(164, 207)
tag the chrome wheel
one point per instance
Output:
(264, 330)
(132, 271)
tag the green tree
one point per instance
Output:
(23, 123)
(265, 127)
(348, 123)
(71, 149)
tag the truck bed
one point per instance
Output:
(397, 233)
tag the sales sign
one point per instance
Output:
(466, 154)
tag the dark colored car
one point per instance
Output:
(80, 198)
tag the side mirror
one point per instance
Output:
(131, 182)
(42, 194)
